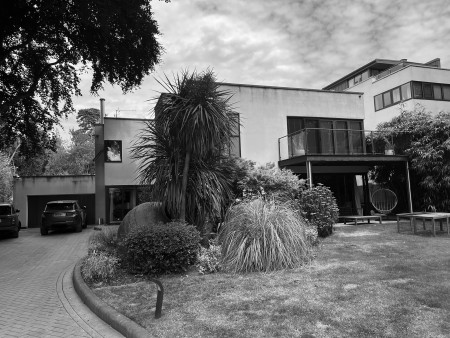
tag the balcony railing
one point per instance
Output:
(322, 141)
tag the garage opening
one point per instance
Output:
(36, 205)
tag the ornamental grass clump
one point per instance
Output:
(260, 235)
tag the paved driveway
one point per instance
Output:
(36, 293)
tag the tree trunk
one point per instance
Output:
(184, 183)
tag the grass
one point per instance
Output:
(366, 281)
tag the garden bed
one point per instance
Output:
(365, 281)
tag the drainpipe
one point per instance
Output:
(102, 111)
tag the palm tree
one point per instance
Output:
(182, 151)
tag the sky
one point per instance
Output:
(286, 43)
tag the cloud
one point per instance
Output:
(298, 43)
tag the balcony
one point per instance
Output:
(346, 142)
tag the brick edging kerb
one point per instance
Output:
(118, 321)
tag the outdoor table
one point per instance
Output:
(362, 218)
(408, 215)
(432, 216)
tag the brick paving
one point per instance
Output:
(34, 270)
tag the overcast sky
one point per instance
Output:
(290, 43)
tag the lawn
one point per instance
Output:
(365, 281)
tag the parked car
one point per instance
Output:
(63, 214)
(9, 219)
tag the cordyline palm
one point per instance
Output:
(182, 151)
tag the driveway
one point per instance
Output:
(36, 292)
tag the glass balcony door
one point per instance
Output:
(120, 202)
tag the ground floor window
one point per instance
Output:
(120, 202)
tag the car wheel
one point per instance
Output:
(44, 231)
(15, 233)
(79, 226)
(85, 223)
(20, 226)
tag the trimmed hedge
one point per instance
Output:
(160, 248)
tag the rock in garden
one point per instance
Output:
(145, 214)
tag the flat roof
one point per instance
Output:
(382, 63)
(287, 88)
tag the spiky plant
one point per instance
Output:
(182, 150)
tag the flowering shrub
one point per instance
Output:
(318, 205)
(99, 266)
(311, 233)
(270, 181)
(209, 259)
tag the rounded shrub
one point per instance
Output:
(160, 248)
(260, 235)
(319, 207)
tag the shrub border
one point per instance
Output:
(118, 321)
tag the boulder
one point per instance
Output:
(147, 213)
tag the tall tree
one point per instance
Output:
(182, 152)
(6, 178)
(87, 118)
(45, 44)
(425, 138)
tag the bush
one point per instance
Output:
(209, 259)
(319, 207)
(312, 235)
(104, 241)
(98, 266)
(271, 182)
(263, 235)
(160, 248)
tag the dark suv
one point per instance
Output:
(63, 214)
(9, 219)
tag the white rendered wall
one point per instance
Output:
(371, 88)
(264, 111)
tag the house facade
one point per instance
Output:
(392, 85)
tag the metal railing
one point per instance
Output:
(323, 141)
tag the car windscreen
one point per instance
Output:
(60, 206)
(5, 210)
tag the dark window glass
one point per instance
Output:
(427, 91)
(387, 99)
(60, 206)
(406, 91)
(356, 136)
(417, 90)
(437, 92)
(446, 92)
(5, 210)
(396, 95)
(341, 137)
(326, 137)
(312, 137)
(378, 102)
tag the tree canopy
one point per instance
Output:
(46, 44)
(425, 138)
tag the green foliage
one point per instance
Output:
(99, 266)
(424, 137)
(6, 178)
(319, 207)
(87, 118)
(181, 152)
(45, 42)
(281, 184)
(160, 248)
(104, 241)
(260, 235)
(209, 260)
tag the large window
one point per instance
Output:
(431, 91)
(393, 96)
(235, 139)
(309, 136)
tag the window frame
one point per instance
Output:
(391, 96)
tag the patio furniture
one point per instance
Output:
(362, 218)
(408, 215)
(432, 216)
